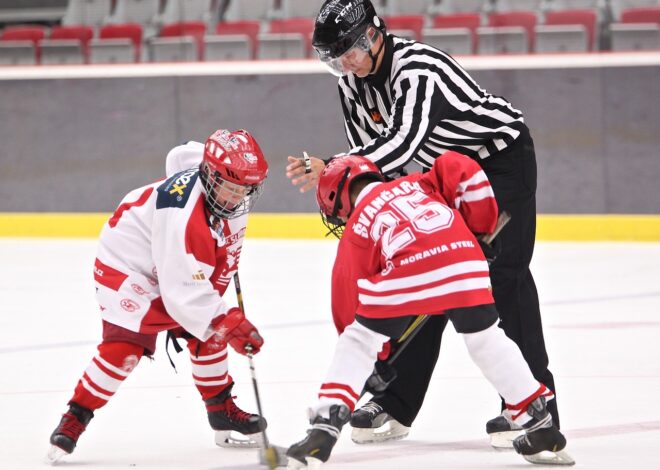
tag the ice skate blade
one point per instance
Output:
(280, 453)
(54, 455)
(238, 440)
(312, 464)
(504, 439)
(550, 458)
(390, 431)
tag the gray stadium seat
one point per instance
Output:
(17, 53)
(144, 12)
(298, 8)
(561, 38)
(454, 41)
(521, 5)
(28, 11)
(87, 12)
(281, 46)
(459, 6)
(409, 7)
(173, 49)
(111, 51)
(635, 36)
(61, 51)
(227, 47)
(248, 10)
(187, 10)
(502, 40)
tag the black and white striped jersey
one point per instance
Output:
(420, 104)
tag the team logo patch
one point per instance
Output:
(250, 157)
(129, 305)
(198, 276)
(138, 289)
(174, 192)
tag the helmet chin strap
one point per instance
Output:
(374, 58)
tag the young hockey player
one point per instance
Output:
(407, 247)
(165, 258)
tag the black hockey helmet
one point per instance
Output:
(340, 24)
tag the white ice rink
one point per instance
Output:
(601, 309)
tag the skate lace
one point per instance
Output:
(234, 412)
(372, 408)
(71, 426)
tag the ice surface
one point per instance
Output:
(601, 310)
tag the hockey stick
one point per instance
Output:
(502, 220)
(270, 454)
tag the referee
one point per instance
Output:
(405, 101)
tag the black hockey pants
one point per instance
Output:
(512, 174)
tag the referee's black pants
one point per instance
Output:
(512, 174)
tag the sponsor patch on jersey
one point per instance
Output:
(174, 192)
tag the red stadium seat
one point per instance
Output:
(414, 23)
(25, 33)
(194, 29)
(524, 19)
(586, 18)
(248, 28)
(82, 33)
(132, 31)
(641, 15)
(470, 21)
(304, 26)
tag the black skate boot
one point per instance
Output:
(502, 431)
(315, 449)
(66, 434)
(542, 442)
(373, 424)
(225, 417)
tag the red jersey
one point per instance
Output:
(409, 246)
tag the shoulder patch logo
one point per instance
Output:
(174, 192)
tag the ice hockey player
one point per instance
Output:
(164, 260)
(408, 246)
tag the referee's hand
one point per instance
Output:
(305, 176)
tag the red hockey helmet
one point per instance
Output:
(333, 191)
(232, 171)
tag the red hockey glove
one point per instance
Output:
(236, 330)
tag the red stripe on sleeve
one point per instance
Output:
(107, 276)
(128, 205)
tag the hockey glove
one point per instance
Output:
(235, 329)
(382, 376)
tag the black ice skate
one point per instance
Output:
(225, 417)
(502, 431)
(315, 449)
(542, 443)
(66, 434)
(372, 424)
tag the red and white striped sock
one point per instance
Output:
(209, 367)
(102, 378)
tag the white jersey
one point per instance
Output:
(159, 264)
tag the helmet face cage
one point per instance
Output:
(232, 173)
(332, 221)
(225, 199)
(333, 190)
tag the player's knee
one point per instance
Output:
(473, 319)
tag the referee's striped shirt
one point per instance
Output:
(420, 104)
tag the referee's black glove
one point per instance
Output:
(491, 250)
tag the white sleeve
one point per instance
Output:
(183, 157)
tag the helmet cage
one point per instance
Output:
(332, 221)
(225, 199)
